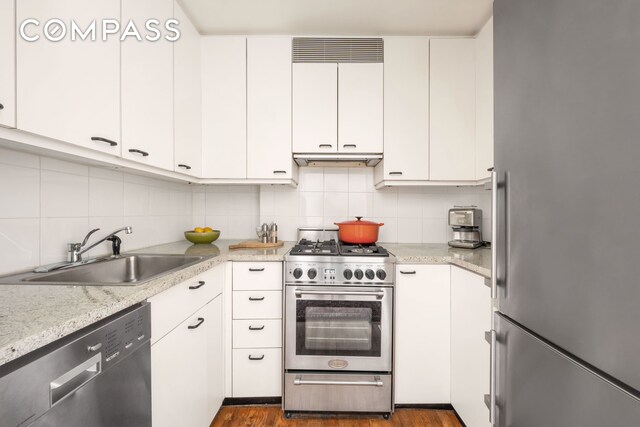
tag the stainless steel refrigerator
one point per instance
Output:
(567, 167)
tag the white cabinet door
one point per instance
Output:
(484, 101)
(470, 318)
(178, 383)
(147, 88)
(7, 63)
(360, 107)
(422, 349)
(406, 109)
(215, 357)
(224, 102)
(257, 372)
(269, 107)
(187, 96)
(315, 108)
(452, 110)
(69, 90)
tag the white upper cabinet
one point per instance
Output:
(187, 97)
(147, 88)
(315, 108)
(269, 108)
(70, 90)
(360, 107)
(484, 100)
(452, 110)
(406, 109)
(7, 64)
(224, 103)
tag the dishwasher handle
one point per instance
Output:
(75, 378)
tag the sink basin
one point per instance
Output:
(128, 270)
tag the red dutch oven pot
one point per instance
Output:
(358, 232)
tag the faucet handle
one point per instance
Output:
(86, 238)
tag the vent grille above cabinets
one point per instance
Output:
(323, 49)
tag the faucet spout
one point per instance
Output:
(77, 249)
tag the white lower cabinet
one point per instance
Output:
(257, 329)
(187, 360)
(471, 313)
(422, 346)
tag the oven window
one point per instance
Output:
(338, 328)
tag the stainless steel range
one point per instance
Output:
(338, 327)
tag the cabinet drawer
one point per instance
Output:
(174, 305)
(257, 276)
(257, 333)
(257, 305)
(257, 372)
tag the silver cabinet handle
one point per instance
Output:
(377, 293)
(256, 357)
(490, 399)
(325, 146)
(72, 380)
(349, 146)
(377, 382)
(494, 234)
(256, 298)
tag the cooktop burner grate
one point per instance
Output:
(331, 247)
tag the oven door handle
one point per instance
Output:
(379, 294)
(377, 382)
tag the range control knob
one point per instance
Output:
(370, 274)
(348, 274)
(297, 273)
(381, 274)
(312, 273)
(358, 274)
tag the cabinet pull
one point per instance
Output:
(256, 357)
(135, 150)
(349, 146)
(1, 107)
(325, 145)
(256, 269)
(407, 272)
(198, 286)
(256, 298)
(197, 325)
(256, 328)
(279, 172)
(187, 167)
(490, 399)
(101, 139)
(395, 173)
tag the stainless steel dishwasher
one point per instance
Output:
(99, 376)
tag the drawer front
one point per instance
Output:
(257, 372)
(257, 305)
(257, 276)
(171, 307)
(257, 333)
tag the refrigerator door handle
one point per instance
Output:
(490, 399)
(494, 234)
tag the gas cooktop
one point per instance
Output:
(335, 248)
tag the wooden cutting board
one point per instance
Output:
(256, 244)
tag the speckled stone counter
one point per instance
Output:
(475, 260)
(32, 316)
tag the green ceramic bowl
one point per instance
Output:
(199, 238)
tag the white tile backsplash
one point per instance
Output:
(63, 195)
(19, 192)
(328, 195)
(19, 243)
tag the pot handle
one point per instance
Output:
(381, 224)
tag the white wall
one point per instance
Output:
(46, 203)
(328, 195)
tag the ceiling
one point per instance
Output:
(339, 17)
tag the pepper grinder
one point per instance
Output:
(265, 233)
(273, 233)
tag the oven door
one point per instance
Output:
(338, 328)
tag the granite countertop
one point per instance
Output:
(475, 260)
(32, 316)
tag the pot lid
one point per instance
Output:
(359, 221)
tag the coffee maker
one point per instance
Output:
(466, 222)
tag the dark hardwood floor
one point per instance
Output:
(272, 416)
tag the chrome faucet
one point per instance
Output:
(75, 250)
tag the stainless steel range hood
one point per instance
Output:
(337, 160)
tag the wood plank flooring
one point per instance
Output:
(272, 416)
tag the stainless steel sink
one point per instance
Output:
(128, 270)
